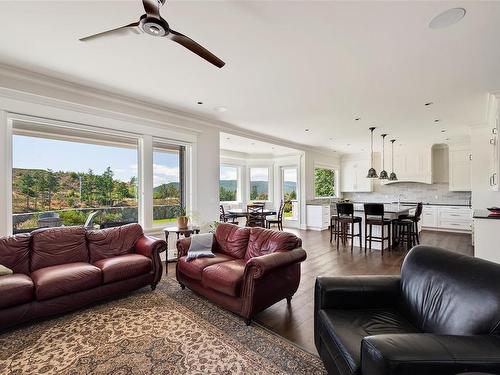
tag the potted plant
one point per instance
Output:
(182, 219)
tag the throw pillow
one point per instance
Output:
(5, 271)
(201, 246)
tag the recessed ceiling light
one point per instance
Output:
(272, 148)
(220, 109)
(331, 139)
(442, 131)
(306, 130)
(228, 138)
(447, 139)
(199, 102)
(447, 18)
(437, 120)
(357, 118)
(348, 144)
(428, 104)
(253, 143)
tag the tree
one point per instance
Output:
(106, 186)
(253, 193)
(40, 186)
(226, 195)
(52, 186)
(121, 190)
(27, 187)
(324, 180)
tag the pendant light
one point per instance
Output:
(372, 173)
(393, 176)
(383, 172)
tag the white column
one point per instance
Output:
(5, 176)
(146, 182)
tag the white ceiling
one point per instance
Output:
(252, 147)
(290, 65)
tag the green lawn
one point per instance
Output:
(164, 221)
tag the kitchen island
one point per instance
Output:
(391, 211)
(486, 235)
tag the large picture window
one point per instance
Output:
(228, 183)
(168, 182)
(324, 182)
(72, 179)
(259, 184)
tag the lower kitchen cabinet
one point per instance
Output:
(318, 216)
(447, 218)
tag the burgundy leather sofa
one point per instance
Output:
(61, 269)
(253, 268)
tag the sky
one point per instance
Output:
(66, 156)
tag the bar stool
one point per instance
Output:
(401, 224)
(333, 228)
(374, 215)
(345, 219)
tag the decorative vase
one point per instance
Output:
(182, 222)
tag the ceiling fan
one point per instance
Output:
(153, 24)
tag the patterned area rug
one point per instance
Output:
(168, 331)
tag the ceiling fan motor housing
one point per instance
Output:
(154, 26)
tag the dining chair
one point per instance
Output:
(277, 220)
(255, 216)
(223, 217)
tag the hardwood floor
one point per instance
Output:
(295, 321)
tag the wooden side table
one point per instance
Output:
(185, 232)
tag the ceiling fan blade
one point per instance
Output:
(152, 8)
(191, 45)
(133, 27)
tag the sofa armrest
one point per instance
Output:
(356, 292)
(422, 353)
(183, 246)
(147, 246)
(262, 265)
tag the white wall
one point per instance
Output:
(39, 96)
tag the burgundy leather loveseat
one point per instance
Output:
(61, 269)
(253, 268)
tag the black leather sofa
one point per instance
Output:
(441, 316)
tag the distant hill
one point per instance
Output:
(169, 190)
(230, 185)
(159, 188)
(289, 186)
(262, 186)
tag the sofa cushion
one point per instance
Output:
(14, 252)
(225, 277)
(15, 289)
(343, 331)
(111, 242)
(123, 267)
(265, 241)
(232, 240)
(55, 281)
(194, 268)
(61, 245)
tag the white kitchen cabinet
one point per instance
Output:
(413, 164)
(494, 125)
(353, 175)
(459, 168)
(318, 216)
(447, 218)
(429, 216)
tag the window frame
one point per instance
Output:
(144, 160)
(335, 180)
(238, 183)
(269, 183)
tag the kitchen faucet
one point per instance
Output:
(400, 195)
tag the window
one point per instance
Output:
(168, 182)
(324, 182)
(259, 184)
(289, 178)
(62, 179)
(228, 183)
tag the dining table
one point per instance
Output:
(243, 212)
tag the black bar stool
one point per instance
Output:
(405, 228)
(374, 215)
(345, 219)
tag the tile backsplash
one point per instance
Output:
(412, 192)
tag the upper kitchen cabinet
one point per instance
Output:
(353, 174)
(460, 167)
(494, 128)
(412, 164)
